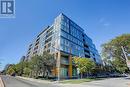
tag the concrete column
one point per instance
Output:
(70, 65)
(58, 65)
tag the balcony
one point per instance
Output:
(36, 48)
(64, 61)
(86, 49)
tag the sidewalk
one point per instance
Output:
(112, 82)
(54, 83)
(1, 83)
(35, 80)
(74, 85)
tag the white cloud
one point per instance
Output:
(101, 20)
(104, 22)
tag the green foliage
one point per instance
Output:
(11, 70)
(26, 71)
(120, 65)
(85, 65)
(20, 67)
(113, 54)
(32, 68)
(41, 64)
(36, 62)
(48, 59)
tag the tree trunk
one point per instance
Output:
(81, 74)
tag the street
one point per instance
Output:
(17, 82)
(109, 82)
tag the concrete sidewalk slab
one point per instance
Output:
(32, 79)
(75, 85)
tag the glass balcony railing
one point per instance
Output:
(65, 61)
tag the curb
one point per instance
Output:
(33, 80)
(1, 83)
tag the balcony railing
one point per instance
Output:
(63, 61)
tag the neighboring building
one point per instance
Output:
(23, 58)
(7, 66)
(65, 39)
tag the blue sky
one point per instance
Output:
(102, 20)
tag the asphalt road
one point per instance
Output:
(110, 82)
(17, 82)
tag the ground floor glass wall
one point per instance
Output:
(63, 72)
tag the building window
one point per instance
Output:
(74, 72)
(64, 72)
(66, 42)
(65, 26)
(49, 45)
(62, 48)
(48, 50)
(64, 60)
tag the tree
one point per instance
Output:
(11, 70)
(20, 67)
(42, 64)
(36, 64)
(113, 54)
(26, 71)
(49, 63)
(85, 65)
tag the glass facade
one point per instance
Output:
(73, 40)
(70, 37)
(63, 72)
(74, 72)
(66, 36)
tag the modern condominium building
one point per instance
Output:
(65, 39)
